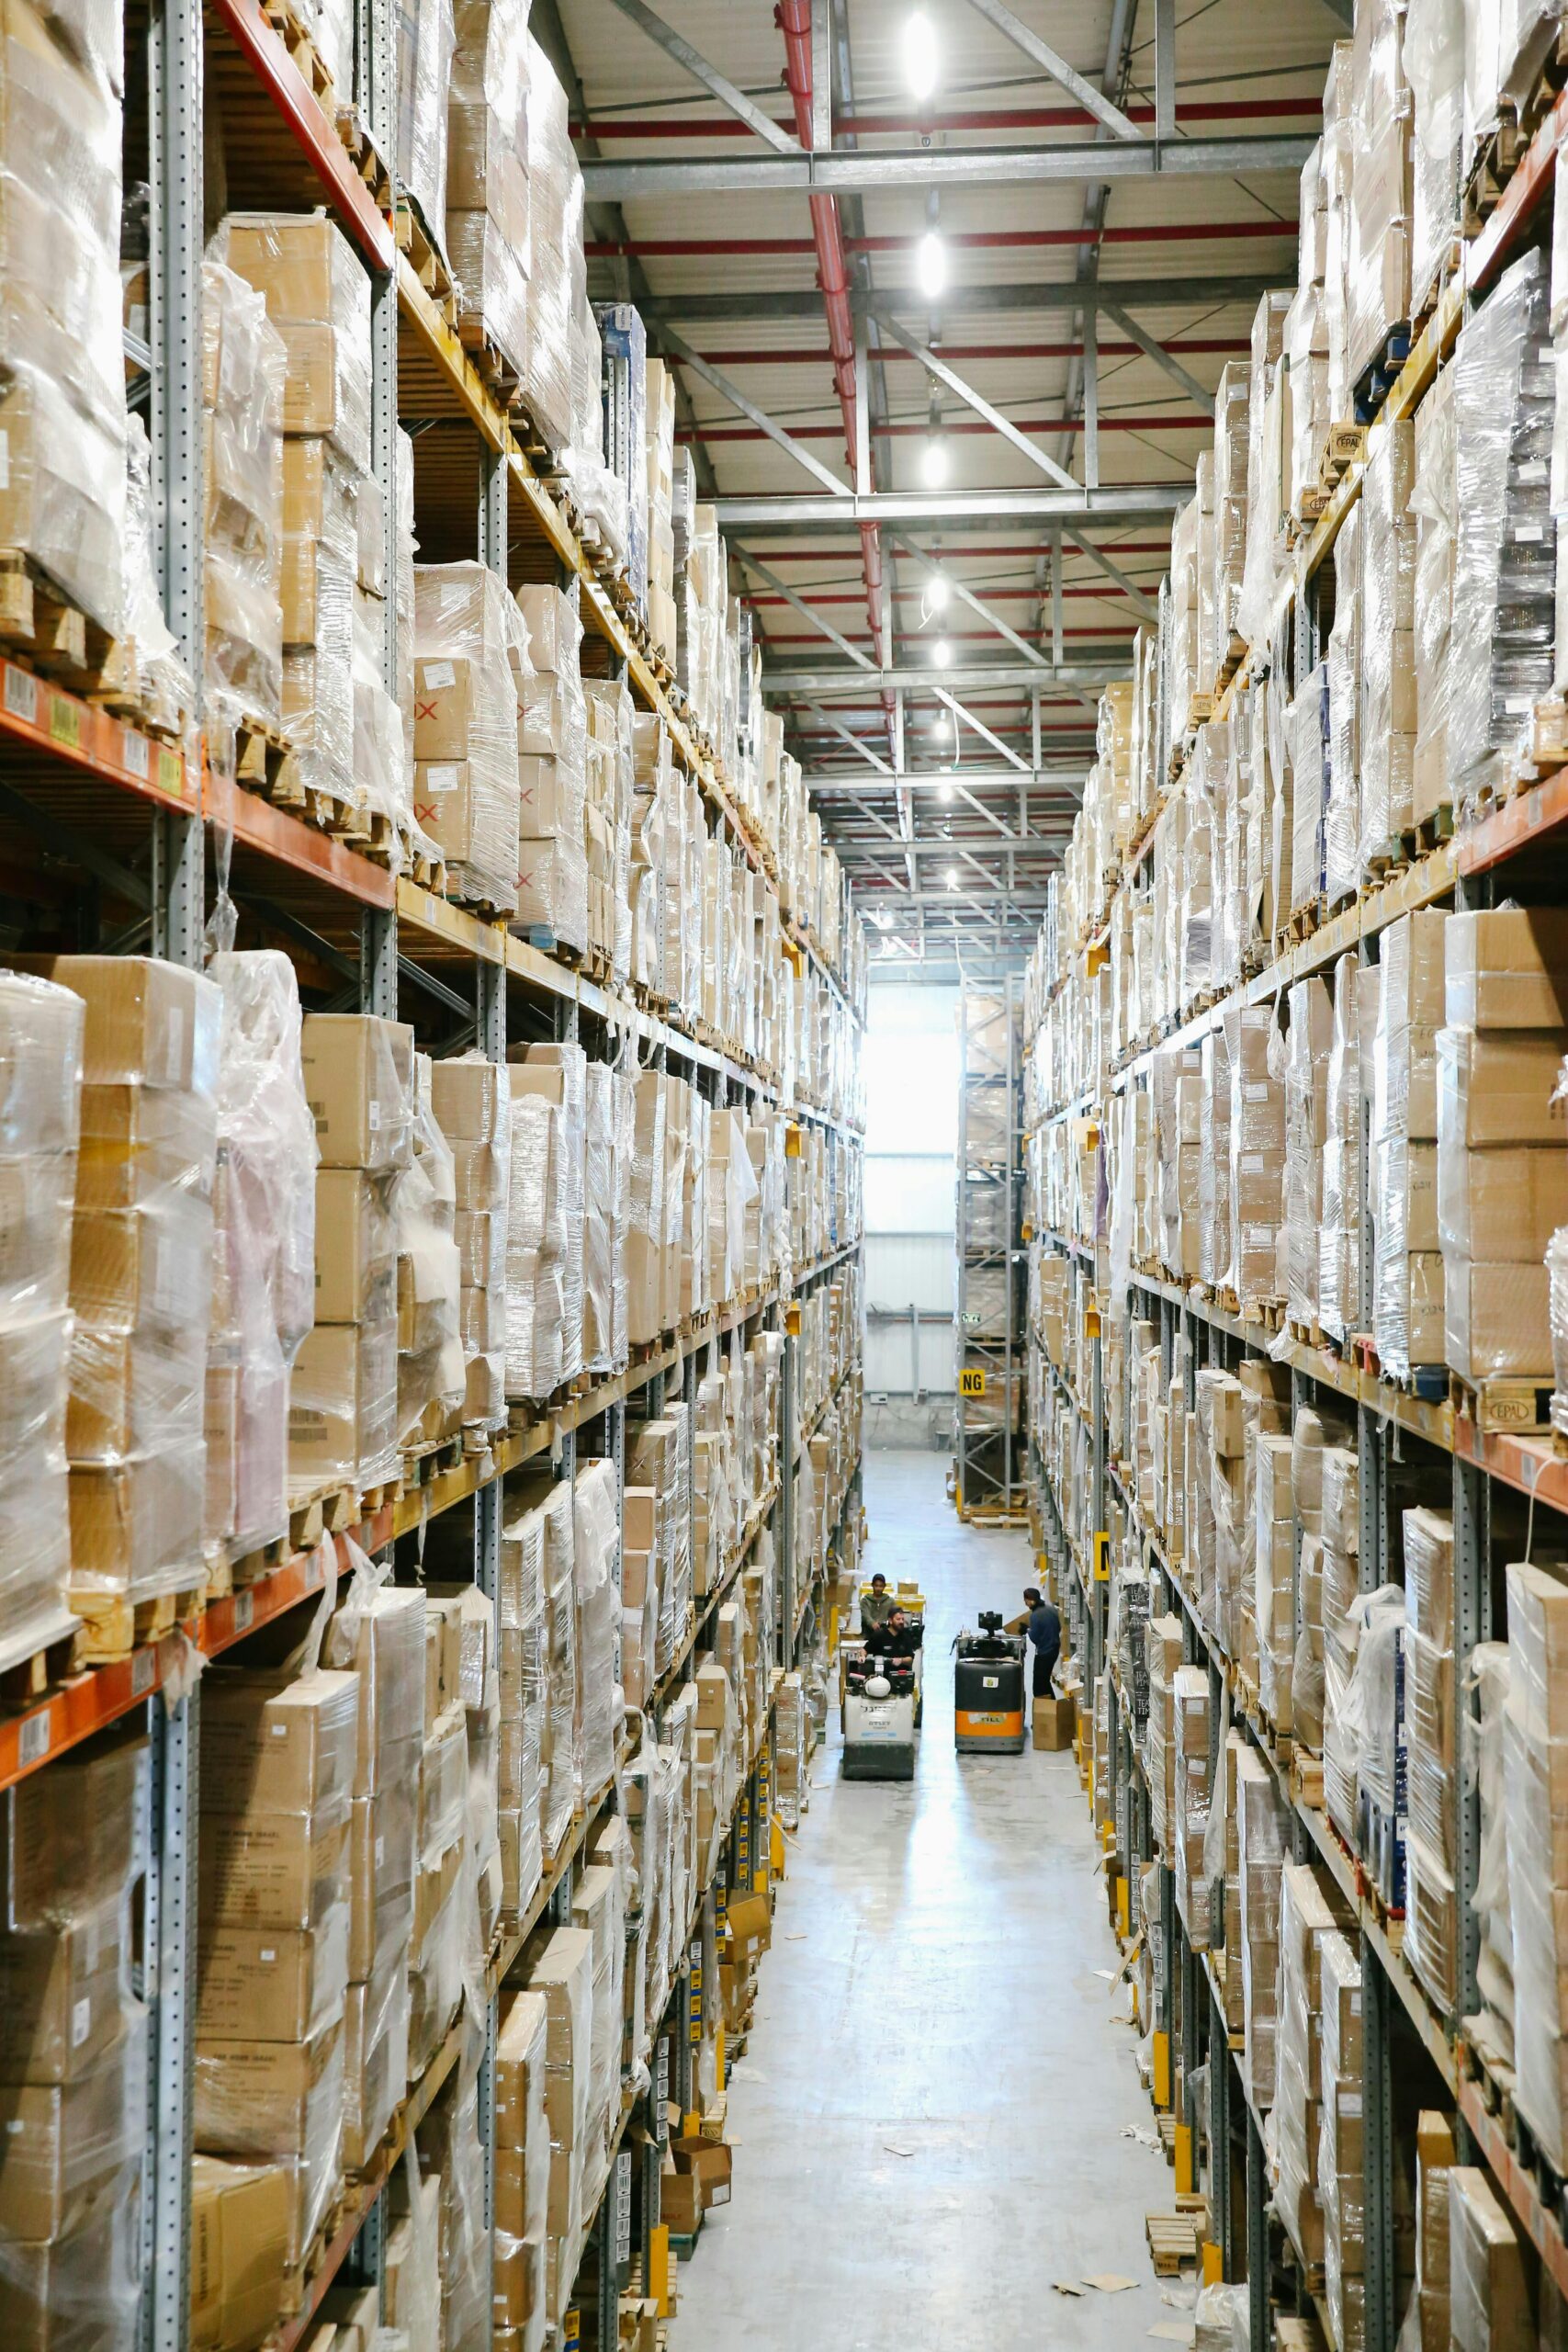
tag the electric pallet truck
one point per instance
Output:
(987, 1690)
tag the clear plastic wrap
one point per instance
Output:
(1502, 633)
(523, 2171)
(1489, 1675)
(452, 2149)
(1261, 1841)
(264, 1247)
(62, 414)
(41, 1028)
(1309, 1047)
(471, 665)
(244, 365)
(596, 1575)
(1342, 808)
(487, 171)
(1388, 715)
(535, 1242)
(1488, 2290)
(523, 1664)
(1432, 503)
(425, 37)
(555, 188)
(1433, 62)
(562, 1972)
(1378, 266)
(1534, 1759)
(559, 1075)
(472, 1104)
(318, 298)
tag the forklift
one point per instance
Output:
(987, 1690)
(883, 1700)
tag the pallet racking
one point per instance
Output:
(106, 811)
(988, 1448)
(1415, 2053)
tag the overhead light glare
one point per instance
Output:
(922, 60)
(942, 653)
(953, 877)
(933, 463)
(931, 266)
(945, 792)
(939, 588)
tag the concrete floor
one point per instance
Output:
(928, 2119)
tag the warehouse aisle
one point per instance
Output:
(928, 2119)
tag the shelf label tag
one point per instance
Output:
(32, 1740)
(1103, 1559)
(972, 1381)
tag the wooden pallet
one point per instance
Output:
(293, 33)
(113, 1626)
(37, 1658)
(426, 260)
(1497, 1407)
(267, 763)
(366, 157)
(330, 1509)
(57, 638)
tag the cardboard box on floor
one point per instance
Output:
(1054, 1724)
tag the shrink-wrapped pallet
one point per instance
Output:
(264, 1247)
(244, 365)
(555, 195)
(487, 172)
(424, 36)
(1378, 273)
(471, 667)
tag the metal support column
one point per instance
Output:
(1261, 2332)
(1377, 2124)
(171, 1916)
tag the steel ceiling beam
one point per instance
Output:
(808, 611)
(866, 172)
(967, 596)
(1051, 61)
(1022, 768)
(940, 510)
(963, 390)
(873, 758)
(674, 45)
(1019, 900)
(983, 844)
(1160, 355)
(1069, 677)
(748, 408)
(845, 785)
(1038, 294)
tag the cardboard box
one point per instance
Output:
(359, 1083)
(1507, 968)
(61, 1998)
(1502, 1206)
(342, 1403)
(1497, 1088)
(467, 1093)
(279, 1745)
(241, 2221)
(1497, 1320)
(147, 1021)
(265, 1868)
(274, 1983)
(68, 1836)
(357, 1247)
(1053, 1720)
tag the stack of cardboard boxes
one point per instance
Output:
(73, 2049)
(472, 1104)
(343, 1424)
(244, 365)
(279, 1763)
(552, 869)
(470, 676)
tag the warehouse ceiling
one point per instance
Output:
(868, 239)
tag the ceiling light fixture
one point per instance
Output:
(922, 60)
(945, 792)
(933, 462)
(953, 877)
(939, 588)
(931, 266)
(942, 653)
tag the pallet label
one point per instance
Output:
(32, 1740)
(143, 1668)
(133, 752)
(21, 693)
(65, 722)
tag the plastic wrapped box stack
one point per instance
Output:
(471, 674)
(1431, 1710)
(63, 408)
(659, 425)
(487, 174)
(1535, 1758)
(432, 1370)
(379, 1633)
(1408, 1283)
(141, 1282)
(522, 1665)
(552, 877)
(318, 298)
(444, 1925)
(522, 2171)
(42, 1047)
(1340, 2154)
(243, 364)
(425, 36)
(1489, 2296)
(278, 1754)
(73, 2051)
(264, 1249)
(343, 1421)
(1260, 1852)
(1306, 1924)
(472, 1106)
(545, 1221)
(1502, 1175)
(624, 395)
(607, 822)
(555, 199)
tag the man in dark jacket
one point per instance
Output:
(1045, 1637)
(897, 1638)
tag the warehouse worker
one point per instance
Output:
(1045, 1634)
(897, 1638)
(877, 1606)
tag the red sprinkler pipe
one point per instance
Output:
(794, 20)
